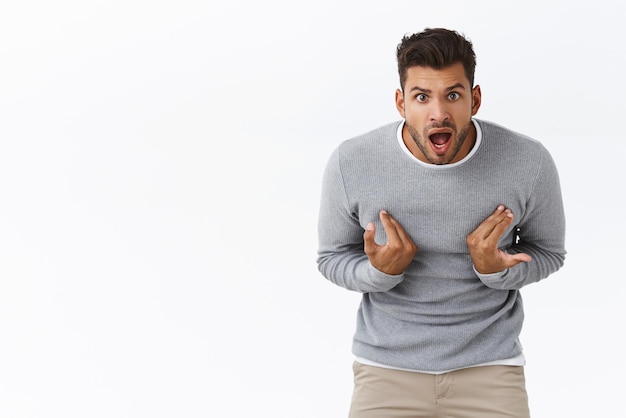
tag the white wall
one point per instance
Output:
(160, 165)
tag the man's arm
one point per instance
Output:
(540, 250)
(348, 255)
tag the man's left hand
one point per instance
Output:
(483, 244)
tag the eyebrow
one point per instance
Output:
(423, 90)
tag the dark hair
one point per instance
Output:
(435, 48)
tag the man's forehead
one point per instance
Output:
(419, 76)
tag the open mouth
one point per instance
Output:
(440, 141)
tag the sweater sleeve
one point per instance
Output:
(541, 233)
(341, 258)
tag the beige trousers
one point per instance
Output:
(477, 392)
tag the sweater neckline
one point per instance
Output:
(479, 138)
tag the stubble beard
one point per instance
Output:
(424, 145)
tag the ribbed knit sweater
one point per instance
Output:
(440, 314)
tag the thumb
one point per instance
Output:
(522, 258)
(516, 258)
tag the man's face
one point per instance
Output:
(437, 105)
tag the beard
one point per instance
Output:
(423, 143)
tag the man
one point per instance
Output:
(439, 220)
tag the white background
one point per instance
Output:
(160, 168)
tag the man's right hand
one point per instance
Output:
(395, 256)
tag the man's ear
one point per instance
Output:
(400, 102)
(476, 99)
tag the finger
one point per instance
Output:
(395, 231)
(499, 228)
(390, 227)
(400, 236)
(369, 244)
(403, 236)
(500, 215)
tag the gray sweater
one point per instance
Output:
(439, 314)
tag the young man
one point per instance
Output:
(439, 220)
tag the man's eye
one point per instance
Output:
(421, 97)
(453, 96)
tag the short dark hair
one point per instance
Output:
(435, 48)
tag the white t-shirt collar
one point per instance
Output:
(479, 137)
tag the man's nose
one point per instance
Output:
(438, 111)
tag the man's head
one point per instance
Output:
(435, 48)
(437, 97)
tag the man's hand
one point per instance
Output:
(396, 255)
(483, 244)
